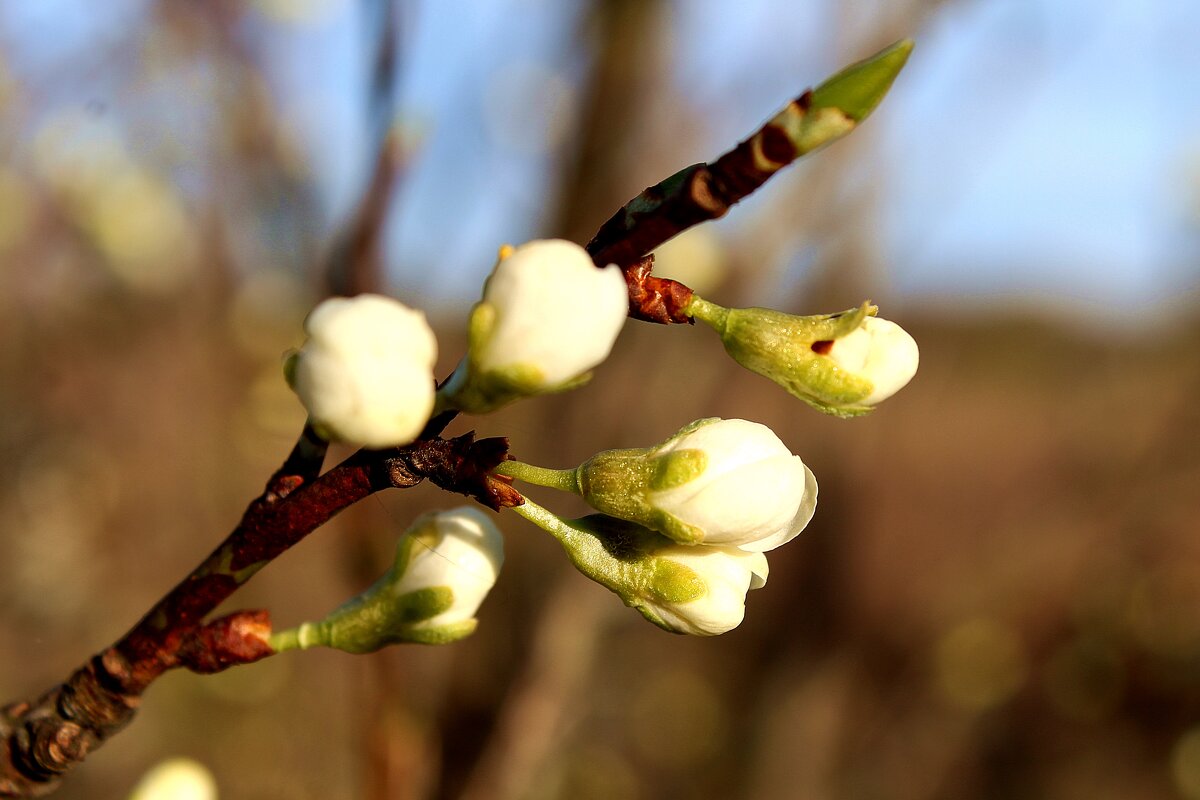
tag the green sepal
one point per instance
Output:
(674, 528)
(323, 431)
(618, 483)
(475, 391)
(376, 619)
(442, 634)
(290, 359)
(780, 347)
(677, 468)
(622, 557)
(480, 324)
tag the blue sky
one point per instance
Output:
(1033, 150)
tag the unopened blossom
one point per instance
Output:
(176, 779)
(717, 481)
(365, 374)
(445, 566)
(694, 589)
(881, 352)
(726, 573)
(842, 364)
(462, 550)
(547, 317)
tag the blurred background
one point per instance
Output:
(1000, 594)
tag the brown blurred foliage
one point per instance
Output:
(998, 596)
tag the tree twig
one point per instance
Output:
(43, 739)
(704, 192)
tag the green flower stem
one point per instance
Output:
(547, 520)
(585, 549)
(713, 315)
(300, 638)
(285, 640)
(624, 558)
(565, 480)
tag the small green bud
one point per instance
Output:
(858, 89)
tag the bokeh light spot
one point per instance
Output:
(1185, 764)
(981, 664)
(695, 258)
(298, 12)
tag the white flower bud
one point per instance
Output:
(881, 352)
(842, 364)
(716, 482)
(365, 375)
(726, 573)
(547, 317)
(694, 589)
(176, 779)
(445, 566)
(461, 549)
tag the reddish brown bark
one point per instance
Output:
(652, 299)
(43, 739)
(693, 195)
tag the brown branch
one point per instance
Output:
(704, 192)
(695, 194)
(43, 739)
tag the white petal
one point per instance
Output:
(798, 523)
(742, 506)
(554, 310)
(880, 351)
(727, 574)
(730, 443)
(371, 324)
(365, 373)
(759, 571)
(466, 555)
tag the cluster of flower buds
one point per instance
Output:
(548, 316)
(682, 528)
(684, 524)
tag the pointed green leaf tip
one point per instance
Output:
(858, 88)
